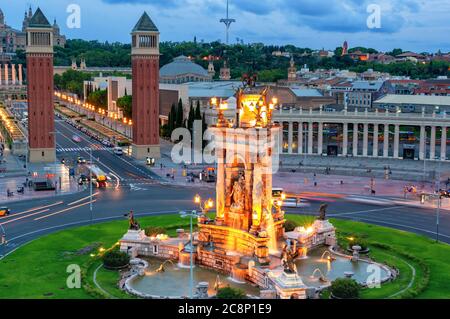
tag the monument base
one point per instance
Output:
(42, 155)
(289, 286)
(142, 152)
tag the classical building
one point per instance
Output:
(145, 64)
(41, 125)
(225, 72)
(292, 71)
(183, 70)
(12, 39)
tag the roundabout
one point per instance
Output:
(422, 264)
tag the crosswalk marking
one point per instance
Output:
(80, 149)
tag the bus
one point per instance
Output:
(99, 178)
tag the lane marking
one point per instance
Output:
(82, 199)
(32, 210)
(26, 216)
(64, 210)
(365, 211)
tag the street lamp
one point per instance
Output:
(191, 215)
(3, 240)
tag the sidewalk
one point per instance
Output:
(65, 185)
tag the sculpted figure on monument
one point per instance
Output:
(238, 195)
(288, 256)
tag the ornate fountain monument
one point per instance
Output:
(247, 240)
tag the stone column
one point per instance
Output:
(386, 141)
(290, 136)
(433, 143)
(320, 139)
(300, 137)
(13, 74)
(345, 139)
(1, 81)
(396, 140)
(375, 140)
(6, 75)
(20, 74)
(310, 138)
(422, 143)
(355, 139)
(366, 140)
(444, 144)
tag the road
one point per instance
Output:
(135, 188)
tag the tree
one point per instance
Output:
(230, 293)
(198, 113)
(345, 288)
(191, 118)
(179, 115)
(98, 98)
(126, 104)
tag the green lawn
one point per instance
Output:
(38, 269)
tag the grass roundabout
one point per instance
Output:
(39, 269)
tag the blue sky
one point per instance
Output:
(418, 25)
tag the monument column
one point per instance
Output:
(444, 144)
(375, 140)
(366, 140)
(386, 141)
(345, 139)
(1, 80)
(145, 65)
(310, 138)
(396, 140)
(320, 139)
(13, 74)
(290, 136)
(300, 138)
(422, 143)
(433, 143)
(41, 126)
(355, 139)
(20, 74)
(6, 75)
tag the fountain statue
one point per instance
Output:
(238, 195)
(288, 257)
(133, 224)
(161, 268)
(323, 212)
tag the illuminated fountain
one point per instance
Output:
(246, 242)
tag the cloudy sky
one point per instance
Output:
(418, 25)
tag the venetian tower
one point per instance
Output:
(145, 65)
(41, 124)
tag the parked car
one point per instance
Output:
(81, 160)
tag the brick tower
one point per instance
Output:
(145, 63)
(41, 123)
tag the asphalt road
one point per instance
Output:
(134, 188)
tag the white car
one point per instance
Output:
(118, 151)
(76, 138)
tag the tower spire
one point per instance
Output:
(227, 21)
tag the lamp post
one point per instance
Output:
(191, 277)
(3, 240)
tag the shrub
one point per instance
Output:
(345, 288)
(290, 225)
(230, 293)
(115, 259)
(153, 231)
